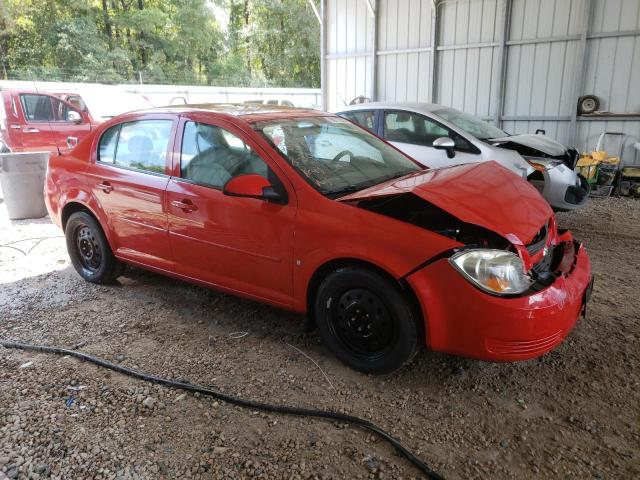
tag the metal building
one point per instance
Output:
(520, 63)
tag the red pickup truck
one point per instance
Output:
(34, 121)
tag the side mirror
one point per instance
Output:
(252, 186)
(447, 144)
(73, 116)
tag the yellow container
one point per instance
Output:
(600, 155)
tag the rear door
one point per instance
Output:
(242, 244)
(129, 177)
(10, 127)
(414, 135)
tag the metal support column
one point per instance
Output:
(323, 53)
(373, 9)
(581, 70)
(501, 84)
(433, 70)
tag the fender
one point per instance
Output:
(88, 201)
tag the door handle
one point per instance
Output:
(30, 130)
(14, 126)
(105, 187)
(185, 205)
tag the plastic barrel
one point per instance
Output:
(22, 179)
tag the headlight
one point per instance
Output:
(542, 165)
(495, 271)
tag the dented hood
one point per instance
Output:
(484, 194)
(542, 143)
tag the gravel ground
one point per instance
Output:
(574, 413)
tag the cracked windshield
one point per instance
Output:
(334, 155)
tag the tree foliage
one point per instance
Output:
(215, 42)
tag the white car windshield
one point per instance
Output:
(470, 124)
(335, 156)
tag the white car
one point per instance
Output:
(439, 136)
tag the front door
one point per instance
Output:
(37, 127)
(129, 179)
(414, 135)
(241, 244)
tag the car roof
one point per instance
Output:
(32, 91)
(422, 107)
(250, 112)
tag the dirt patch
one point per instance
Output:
(574, 413)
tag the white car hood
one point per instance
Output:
(542, 143)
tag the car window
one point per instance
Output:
(141, 145)
(78, 102)
(363, 118)
(212, 156)
(107, 147)
(61, 110)
(37, 108)
(407, 127)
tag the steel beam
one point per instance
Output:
(621, 33)
(373, 9)
(334, 56)
(323, 53)
(581, 70)
(501, 84)
(466, 46)
(433, 68)
(404, 50)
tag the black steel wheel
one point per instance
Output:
(362, 322)
(89, 250)
(366, 320)
(88, 247)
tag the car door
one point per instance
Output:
(129, 179)
(37, 124)
(414, 135)
(70, 124)
(242, 244)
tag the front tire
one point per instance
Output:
(89, 250)
(366, 321)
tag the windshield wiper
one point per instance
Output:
(350, 189)
(361, 186)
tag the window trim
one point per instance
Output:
(168, 150)
(472, 150)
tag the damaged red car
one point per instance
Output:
(309, 212)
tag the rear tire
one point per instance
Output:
(89, 250)
(366, 321)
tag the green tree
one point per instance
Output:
(265, 42)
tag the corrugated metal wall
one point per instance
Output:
(520, 63)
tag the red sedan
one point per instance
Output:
(309, 212)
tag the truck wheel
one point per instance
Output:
(366, 321)
(89, 250)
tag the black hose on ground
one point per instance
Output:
(252, 404)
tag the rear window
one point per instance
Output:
(140, 145)
(363, 118)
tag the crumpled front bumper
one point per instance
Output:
(463, 320)
(564, 189)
